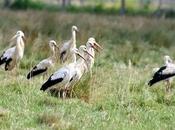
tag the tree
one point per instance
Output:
(7, 3)
(122, 10)
(81, 2)
(69, 2)
(159, 4)
(63, 3)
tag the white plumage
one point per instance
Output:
(91, 45)
(62, 77)
(12, 56)
(165, 73)
(8, 53)
(80, 67)
(65, 51)
(45, 64)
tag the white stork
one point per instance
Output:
(12, 56)
(65, 50)
(91, 45)
(45, 64)
(80, 67)
(165, 73)
(62, 77)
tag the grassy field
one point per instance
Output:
(116, 97)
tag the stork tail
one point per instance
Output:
(35, 72)
(50, 83)
(151, 82)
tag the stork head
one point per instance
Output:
(83, 49)
(167, 59)
(92, 43)
(77, 52)
(74, 28)
(53, 44)
(19, 34)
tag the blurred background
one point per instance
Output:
(131, 7)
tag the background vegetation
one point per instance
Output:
(158, 8)
(117, 95)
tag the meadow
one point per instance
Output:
(116, 97)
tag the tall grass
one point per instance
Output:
(115, 97)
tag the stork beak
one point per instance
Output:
(89, 53)
(97, 46)
(56, 46)
(80, 55)
(83, 57)
(13, 37)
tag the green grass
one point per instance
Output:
(117, 95)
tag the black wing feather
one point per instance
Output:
(7, 63)
(159, 76)
(35, 72)
(2, 60)
(50, 83)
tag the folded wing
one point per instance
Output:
(163, 73)
(40, 68)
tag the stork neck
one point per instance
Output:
(73, 37)
(81, 65)
(74, 58)
(53, 51)
(81, 61)
(53, 54)
(91, 51)
(19, 43)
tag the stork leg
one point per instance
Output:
(168, 86)
(62, 93)
(68, 93)
(65, 91)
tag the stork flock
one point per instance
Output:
(76, 62)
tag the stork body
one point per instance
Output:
(62, 77)
(80, 66)
(45, 64)
(164, 73)
(65, 51)
(12, 56)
